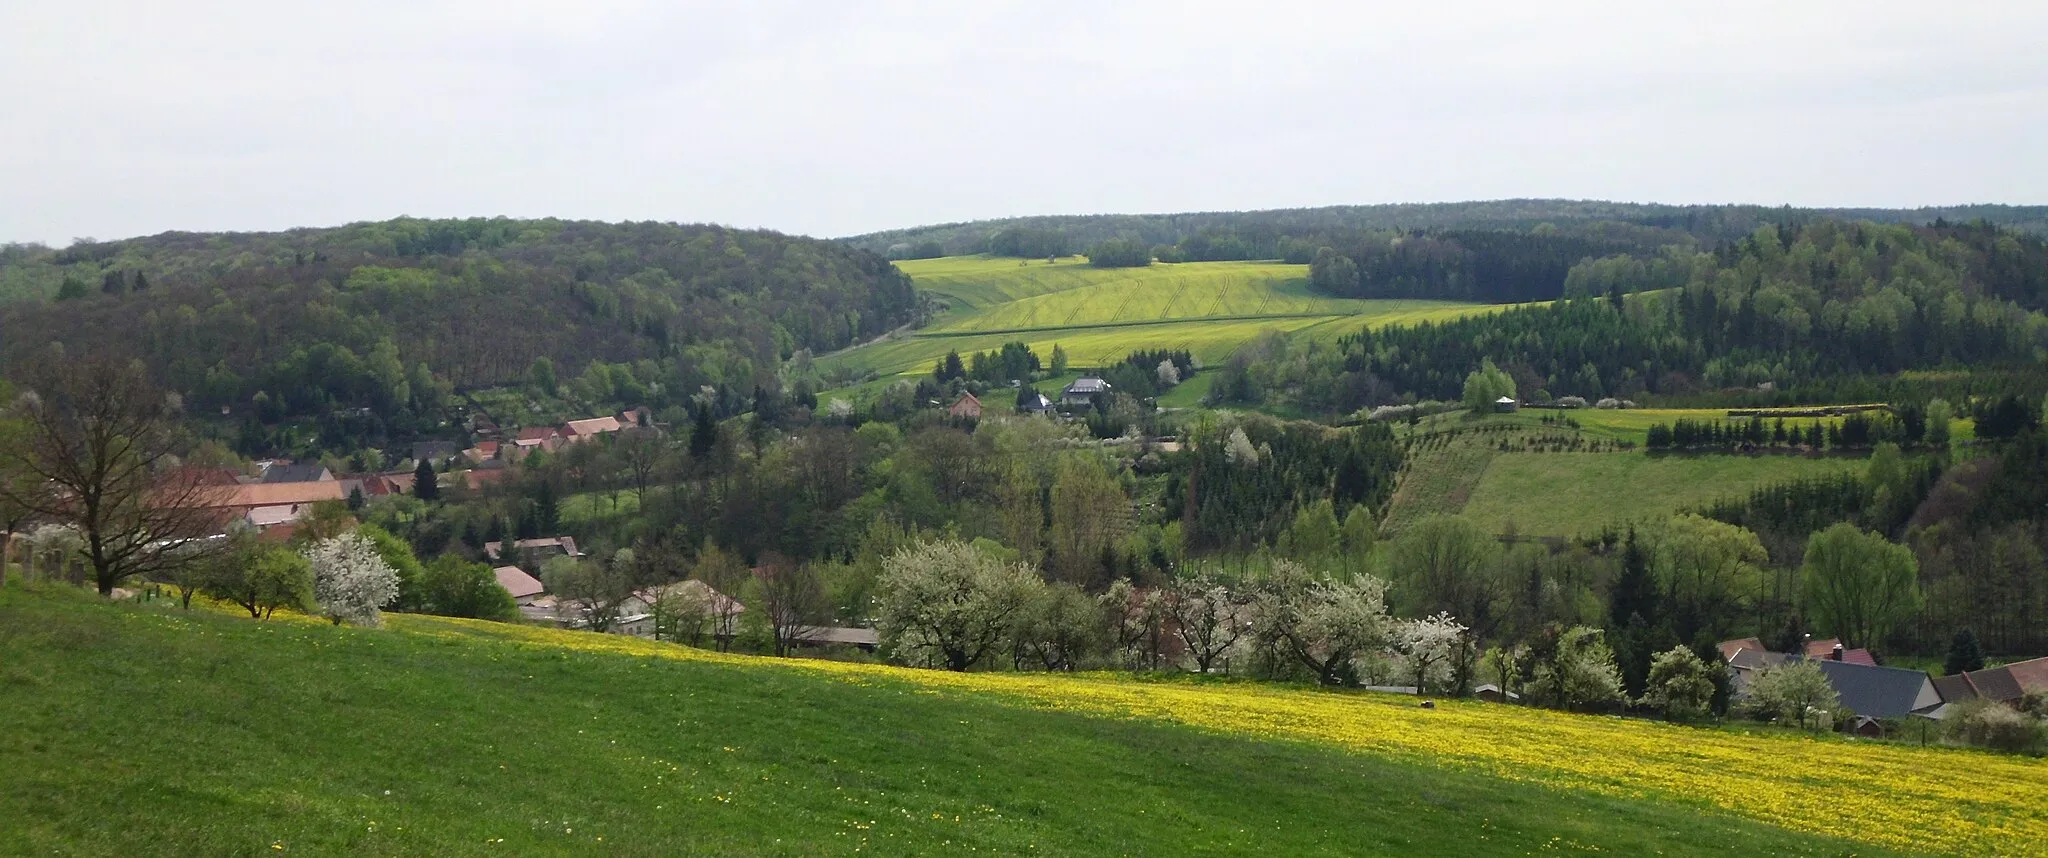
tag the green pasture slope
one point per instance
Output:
(1456, 467)
(141, 730)
(1576, 494)
(1099, 315)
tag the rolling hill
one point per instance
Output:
(143, 730)
(1706, 223)
(1101, 314)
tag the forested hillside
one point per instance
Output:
(1789, 313)
(1040, 236)
(388, 316)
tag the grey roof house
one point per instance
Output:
(312, 472)
(1881, 692)
(1084, 391)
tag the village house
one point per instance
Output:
(243, 498)
(285, 472)
(2003, 684)
(438, 452)
(525, 588)
(1083, 392)
(578, 431)
(532, 553)
(967, 408)
(1881, 692)
(1030, 401)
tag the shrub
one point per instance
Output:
(1608, 403)
(1986, 724)
(1571, 402)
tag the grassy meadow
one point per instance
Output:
(143, 730)
(1456, 467)
(1099, 315)
(1574, 494)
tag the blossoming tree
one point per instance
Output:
(351, 580)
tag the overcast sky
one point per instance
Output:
(833, 117)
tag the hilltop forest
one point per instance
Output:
(393, 318)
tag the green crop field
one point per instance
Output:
(142, 730)
(1099, 315)
(1574, 494)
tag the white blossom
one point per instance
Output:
(1428, 646)
(351, 580)
(1239, 450)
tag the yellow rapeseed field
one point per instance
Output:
(1916, 799)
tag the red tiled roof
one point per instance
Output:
(537, 433)
(1859, 655)
(1996, 683)
(2031, 676)
(590, 426)
(282, 494)
(1822, 649)
(517, 582)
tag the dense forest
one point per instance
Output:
(1783, 310)
(392, 316)
(1044, 235)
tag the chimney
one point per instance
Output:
(1837, 653)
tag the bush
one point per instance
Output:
(1608, 403)
(1120, 253)
(1986, 724)
(1572, 402)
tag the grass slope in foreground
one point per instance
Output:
(143, 731)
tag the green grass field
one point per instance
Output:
(141, 730)
(1099, 315)
(1457, 467)
(1634, 424)
(1574, 494)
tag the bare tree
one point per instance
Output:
(793, 599)
(642, 455)
(98, 452)
(723, 574)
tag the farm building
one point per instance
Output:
(967, 408)
(1506, 405)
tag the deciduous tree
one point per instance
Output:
(1796, 691)
(1322, 624)
(1679, 685)
(351, 581)
(1210, 619)
(98, 450)
(1858, 585)
(946, 603)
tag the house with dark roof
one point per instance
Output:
(1030, 401)
(437, 452)
(533, 552)
(1083, 392)
(1881, 692)
(281, 472)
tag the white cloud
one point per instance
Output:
(833, 118)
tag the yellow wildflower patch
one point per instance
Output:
(1916, 799)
